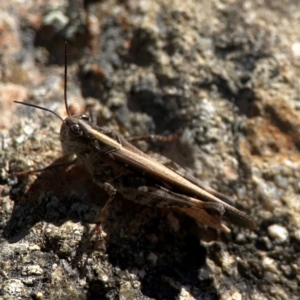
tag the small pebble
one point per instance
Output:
(240, 238)
(296, 49)
(269, 265)
(281, 181)
(278, 232)
(297, 235)
(104, 278)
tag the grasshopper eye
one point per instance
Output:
(84, 117)
(76, 129)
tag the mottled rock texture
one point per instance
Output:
(226, 72)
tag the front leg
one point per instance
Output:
(111, 191)
(103, 176)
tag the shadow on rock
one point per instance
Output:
(160, 247)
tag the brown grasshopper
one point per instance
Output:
(118, 166)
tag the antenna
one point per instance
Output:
(40, 107)
(66, 80)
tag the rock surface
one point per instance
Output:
(227, 72)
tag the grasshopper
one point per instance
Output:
(118, 166)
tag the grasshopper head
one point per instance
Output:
(73, 134)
